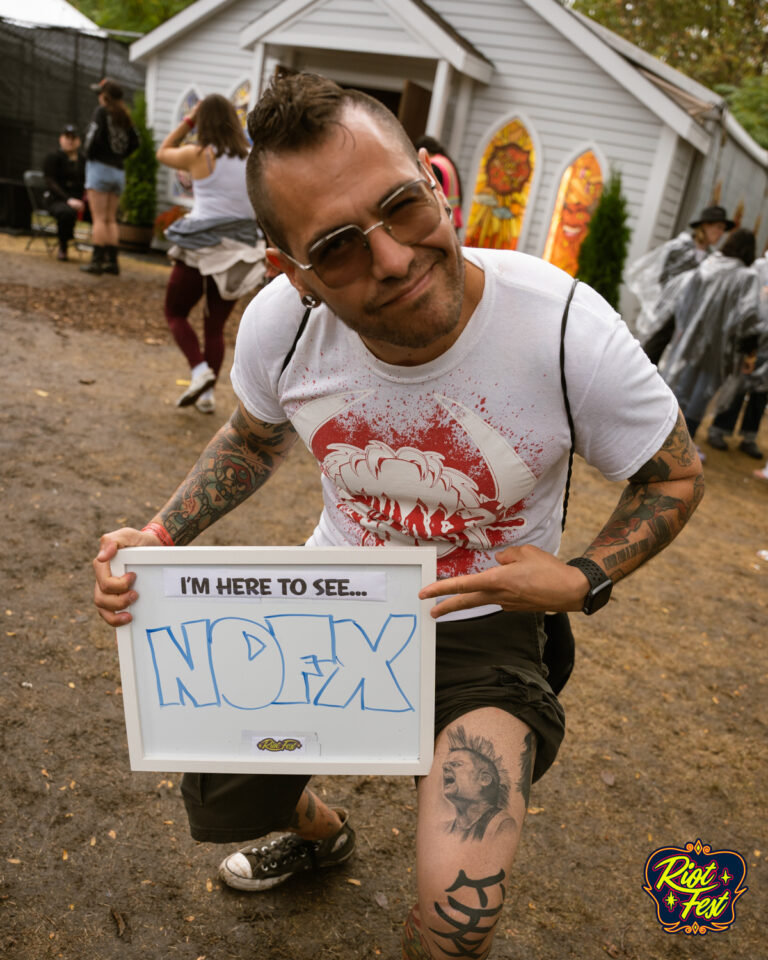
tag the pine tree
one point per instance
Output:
(604, 250)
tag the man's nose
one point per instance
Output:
(390, 258)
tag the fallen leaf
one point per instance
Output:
(41, 393)
(534, 810)
(355, 883)
(86, 381)
(93, 841)
(395, 831)
(209, 885)
(612, 950)
(608, 778)
(112, 834)
(182, 383)
(13, 860)
(190, 918)
(122, 924)
(381, 900)
(64, 855)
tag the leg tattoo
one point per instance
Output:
(471, 918)
(477, 785)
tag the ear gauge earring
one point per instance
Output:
(310, 301)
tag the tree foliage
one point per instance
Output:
(604, 250)
(749, 104)
(713, 41)
(137, 16)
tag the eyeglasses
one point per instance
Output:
(408, 215)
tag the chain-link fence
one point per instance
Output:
(45, 77)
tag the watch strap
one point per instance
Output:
(591, 570)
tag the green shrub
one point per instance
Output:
(604, 250)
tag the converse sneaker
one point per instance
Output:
(197, 385)
(257, 868)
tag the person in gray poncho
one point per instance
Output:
(750, 389)
(717, 325)
(656, 277)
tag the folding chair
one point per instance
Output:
(43, 225)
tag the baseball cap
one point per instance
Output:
(70, 130)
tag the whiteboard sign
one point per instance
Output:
(279, 660)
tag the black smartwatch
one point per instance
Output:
(600, 584)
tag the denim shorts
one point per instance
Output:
(491, 661)
(103, 178)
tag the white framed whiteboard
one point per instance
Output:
(279, 659)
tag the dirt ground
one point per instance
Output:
(666, 709)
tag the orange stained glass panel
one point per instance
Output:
(577, 197)
(501, 189)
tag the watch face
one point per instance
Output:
(598, 597)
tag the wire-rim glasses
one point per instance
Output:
(409, 214)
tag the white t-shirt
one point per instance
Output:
(468, 452)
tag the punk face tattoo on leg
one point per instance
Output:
(477, 785)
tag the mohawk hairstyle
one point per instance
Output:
(299, 111)
(482, 748)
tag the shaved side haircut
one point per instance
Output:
(296, 112)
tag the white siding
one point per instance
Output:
(674, 192)
(541, 74)
(207, 58)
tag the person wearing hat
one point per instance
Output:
(656, 277)
(64, 171)
(110, 138)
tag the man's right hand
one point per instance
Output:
(113, 594)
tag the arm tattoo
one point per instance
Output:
(237, 461)
(648, 515)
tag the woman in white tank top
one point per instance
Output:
(202, 260)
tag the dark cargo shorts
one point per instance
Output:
(491, 661)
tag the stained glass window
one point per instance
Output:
(580, 189)
(240, 100)
(501, 189)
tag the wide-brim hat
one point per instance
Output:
(713, 215)
(108, 86)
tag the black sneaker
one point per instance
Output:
(751, 449)
(717, 441)
(261, 868)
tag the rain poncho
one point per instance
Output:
(655, 280)
(716, 323)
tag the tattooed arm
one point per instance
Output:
(654, 507)
(237, 461)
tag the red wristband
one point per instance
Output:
(160, 532)
(189, 122)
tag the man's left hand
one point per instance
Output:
(527, 578)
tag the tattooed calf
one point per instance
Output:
(477, 785)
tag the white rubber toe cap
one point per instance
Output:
(238, 865)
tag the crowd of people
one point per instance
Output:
(704, 321)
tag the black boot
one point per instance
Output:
(110, 261)
(97, 262)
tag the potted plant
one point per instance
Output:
(139, 199)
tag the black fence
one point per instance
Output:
(45, 77)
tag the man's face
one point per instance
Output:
(464, 778)
(713, 232)
(411, 298)
(69, 142)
